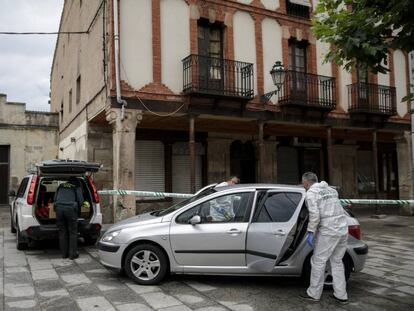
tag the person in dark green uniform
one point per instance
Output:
(68, 199)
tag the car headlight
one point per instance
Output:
(110, 236)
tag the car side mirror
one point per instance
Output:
(12, 193)
(195, 220)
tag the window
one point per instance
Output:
(297, 55)
(298, 8)
(78, 90)
(227, 208)
(279, 207)
(210, 50)
(70, 101)
(22, 188)
(61, 112)
(149, 166)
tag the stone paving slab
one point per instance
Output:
(38, 279)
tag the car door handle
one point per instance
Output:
(279, 232)
(234, 231)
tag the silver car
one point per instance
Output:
(253, 229)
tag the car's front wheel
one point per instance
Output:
(146, 264)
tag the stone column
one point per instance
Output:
(405, 171)
(270, 161)
(260, 145)
(123, 140)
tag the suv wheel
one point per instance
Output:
(146, 264)
(89, 240)
(12, 228)
(20, 244)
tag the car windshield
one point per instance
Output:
(177, 206)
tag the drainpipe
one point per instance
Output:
(119, 100)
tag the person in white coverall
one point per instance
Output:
(328, 234)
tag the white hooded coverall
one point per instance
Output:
(327, 221)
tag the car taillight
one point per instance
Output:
(94, 191)
(355, 231)
(32, 190)
(97, 227)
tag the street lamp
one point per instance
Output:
(278, 74)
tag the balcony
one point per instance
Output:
(365, 98)
(307, 91)
(297, 9)
(208, 76)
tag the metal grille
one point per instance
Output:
(216, 76)
(297, 10)
(307, 90)
(372, 98)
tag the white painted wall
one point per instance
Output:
(324, 69)
(75, 150)
(345, 80)
(175, 41)
(245, 1)
(400, 70)
(271, 4)
(272, 49)
(136, 42)
(244, 41)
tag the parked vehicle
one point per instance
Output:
(262, 233)
(32, 214)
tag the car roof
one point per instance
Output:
(299, 188)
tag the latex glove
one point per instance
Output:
(310, 239)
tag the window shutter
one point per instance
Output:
(181, 167)
(149, 166)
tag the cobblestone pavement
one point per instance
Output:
(38, 279)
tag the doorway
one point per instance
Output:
(4, 174)
(243, 161)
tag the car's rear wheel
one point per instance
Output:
(21, 244)
(328, 273)
(146, 264)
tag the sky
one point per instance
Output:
(25, 61)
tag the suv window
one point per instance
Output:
(22, 188)
(279, 207)
(228, 208)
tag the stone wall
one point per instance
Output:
(100, 150)
(32, 137)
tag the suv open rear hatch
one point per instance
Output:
(66, 167)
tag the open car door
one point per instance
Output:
(66, 167)
(272, 229)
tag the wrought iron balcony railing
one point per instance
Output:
(217, 77)
(372, 99)
(307, 91)
(297, 10)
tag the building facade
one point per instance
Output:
(171, 95)
(26, 138)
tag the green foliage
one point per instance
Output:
(363, 31)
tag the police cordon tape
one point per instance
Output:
(187, 196)
(146, 194)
